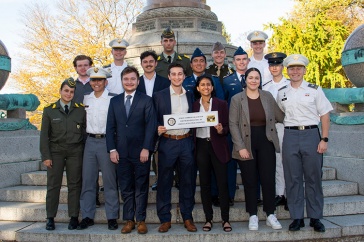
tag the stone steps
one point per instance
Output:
(39, 178)
(336, 227)
(35, 212)
(37, 194)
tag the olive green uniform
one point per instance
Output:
(61, 140)
(225, 70)
(163, 64)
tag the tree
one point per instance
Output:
(226, 34)
(318, 29)
(54, 36)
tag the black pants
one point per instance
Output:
(264, 163)
(207, 162)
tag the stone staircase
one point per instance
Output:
(22, 216)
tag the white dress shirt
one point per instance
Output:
(149, 84)
(114, 83)
(179, 104)
(205, 131)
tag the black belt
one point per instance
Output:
(97, 136)
(205, 139)
(302, 127)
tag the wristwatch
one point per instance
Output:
(325, 139)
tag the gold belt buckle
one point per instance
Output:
(98, 136)
(301, 127)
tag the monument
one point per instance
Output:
(192, 21)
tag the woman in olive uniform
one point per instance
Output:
(61, 145)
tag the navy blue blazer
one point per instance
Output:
(159, 84)
(162, 104)
(129, 135)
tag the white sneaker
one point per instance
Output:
(253, 222)
(273, 222)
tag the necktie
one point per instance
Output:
(127, 104)
(242, 79)
(169, 59)
(66, 109)
(218, 71)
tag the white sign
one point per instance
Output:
(191, 120)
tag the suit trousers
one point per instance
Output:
(69, 156)
(176, 152)
(96, 156)
(301, 159)
(207, 162)
(133, 178)
(264, 162)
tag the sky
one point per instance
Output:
(239, 17)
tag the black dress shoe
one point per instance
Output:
(215, 201)
(112, 224)
(317, 225)
(296, 225)
(280, 200)
(154, 186)
(231, 202)
(73, 223)
(85, 223)
(50, 224)
(176, 185)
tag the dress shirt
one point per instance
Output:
(63, 104)
(171, 55)
(114, 83)
(131, 99)
(263, 67)
(303, 105)
(179, 104)
(96, 112)
(149, 84)
(205, 131)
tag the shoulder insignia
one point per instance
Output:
(48, 105)
(179, 57)
(159, 58)
(107, 66)
(76, 105)
(112, 94)
(267, 83)
(312, 86)
(231, 71)
(282, 88)
(54, 105)
(186, 56)
(82, 105)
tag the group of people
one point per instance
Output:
(111, 119)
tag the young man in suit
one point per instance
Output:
(149, 83)
(130, 130)
(175, 148)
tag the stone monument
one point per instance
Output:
(192, 21)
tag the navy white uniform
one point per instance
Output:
(273, 88)
(303, 107)
(114, 82)
(96, 156)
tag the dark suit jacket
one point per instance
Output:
(159, 84)
(129, 135)
(239, 121)
(218, 141)
(162, 104)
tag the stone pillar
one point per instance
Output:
(192, 22)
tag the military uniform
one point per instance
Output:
(232, 85)
(61, 140)
(163, 64)
(225, 70)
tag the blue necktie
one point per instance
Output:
(127, 105)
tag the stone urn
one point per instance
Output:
(352, 58)
(5, 65)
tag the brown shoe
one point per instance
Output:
(190, 226)
(164, 227)
(128, 227)
(142, 227)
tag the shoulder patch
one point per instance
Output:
(314, 86)
(159, 58)
(48, 105)
(76, 105)
(186, 56)
(282, 88)
(179, 57)
(82, 105)
(267, 83)
(54, 105)
(112, 94)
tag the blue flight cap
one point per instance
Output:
(197, 53)
(240, 51)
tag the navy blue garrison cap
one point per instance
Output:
(240, 51)
(197, 53)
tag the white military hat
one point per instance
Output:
(257, 35)
(98, 73)
(296, 60)
(119, 43)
